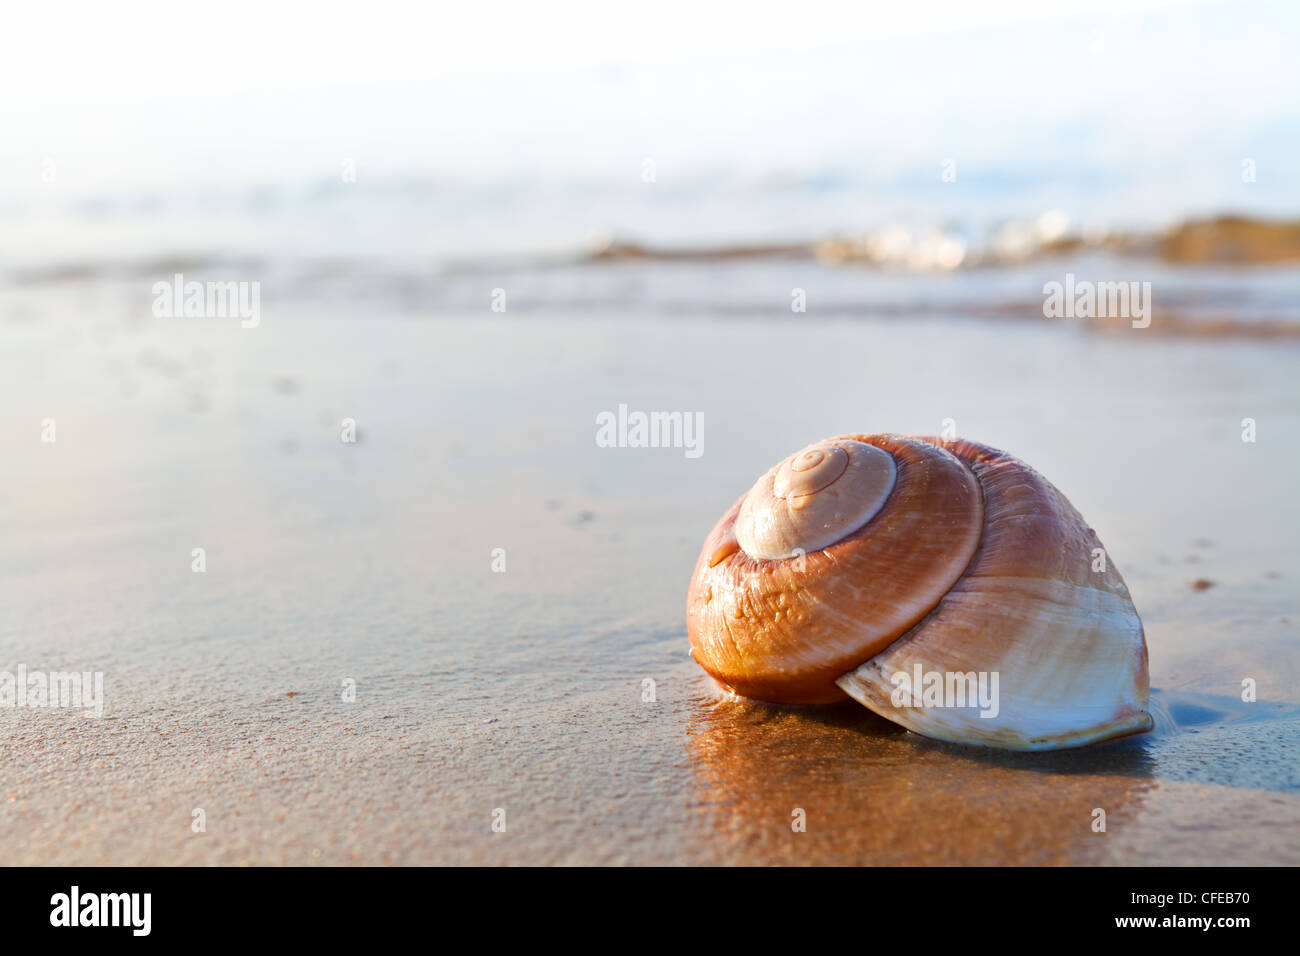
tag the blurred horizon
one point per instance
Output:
(507, 130)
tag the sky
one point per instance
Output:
(530, 126)
(155, 94)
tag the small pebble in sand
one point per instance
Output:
(1202, 584)
(292, 693)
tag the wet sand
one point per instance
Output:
(523, 690)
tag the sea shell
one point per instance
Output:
(865, 564)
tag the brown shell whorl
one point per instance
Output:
(784, 629)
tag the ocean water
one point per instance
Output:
(714, 246)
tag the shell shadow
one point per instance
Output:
(1258, 738)
(1198, 738)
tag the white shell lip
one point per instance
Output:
(1065, 663)
(1027, 724)
(814, 498)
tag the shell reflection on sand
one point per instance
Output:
(874, 794)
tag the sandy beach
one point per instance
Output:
(479, 690)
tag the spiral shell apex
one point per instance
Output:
(864, 564)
